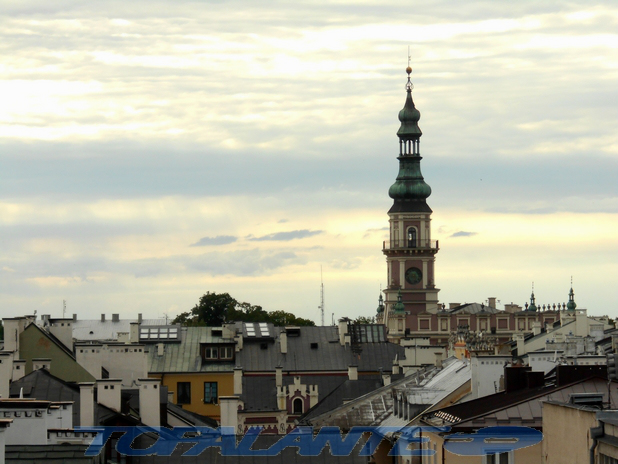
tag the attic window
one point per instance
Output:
(314, 346)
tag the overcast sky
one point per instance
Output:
(153, 151)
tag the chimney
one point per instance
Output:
(453, 305)
(6, 372)
(491, 301)
(134, 332)
(283, 341)
(170, 397)
(343, 330)
(438, 359)
(229, 411)
(519, 338)
(41, 363)
(19, 369)
(150, 401)
(279, 376)
(386, 379)
(139, 318)
(62, 329)
(395, 368)
(536, 327)
(108, 393)
(102, 317)
(115, 317)
(86, 404)
(238, 381)
(353, 372)
(13, 327)
(74, 317)
(160, 349)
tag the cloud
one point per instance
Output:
(218, 240)
(462, 233)
(286, 236)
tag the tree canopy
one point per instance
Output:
(215, 309)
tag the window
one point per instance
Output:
(226, 352)
(211, 352)
(183, 393)
(411, 237)
(297, 406)
(498, 458)
(210, 393)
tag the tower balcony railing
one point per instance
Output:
(410, 244)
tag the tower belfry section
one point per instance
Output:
(410, 252)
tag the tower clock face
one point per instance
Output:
(414, 275)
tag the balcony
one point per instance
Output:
(411, 246)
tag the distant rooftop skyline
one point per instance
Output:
(151, 152)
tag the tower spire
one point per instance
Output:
(410, 190)
(571, 305)
(532, 306)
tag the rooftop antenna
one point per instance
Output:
(321, 297)
(64, 307)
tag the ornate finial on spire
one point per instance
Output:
(409, 85)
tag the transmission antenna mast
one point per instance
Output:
(321, 296)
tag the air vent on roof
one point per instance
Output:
(293, 331)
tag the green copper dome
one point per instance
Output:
(532, 306)
(399, 307)
(409, 117)
(410, 184)
(571, 305)
(380, 305)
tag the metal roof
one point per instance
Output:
(185, 356)
(422, 389)
(317, 349)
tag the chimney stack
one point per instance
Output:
(86, 404)
(108, 393)
(150, 401)
(353, 372)
(229, 412)
(6, 373)
(115, 317)
(283, 341)
(238, 381)
(134, 332)
(102, 317)
(279, 376)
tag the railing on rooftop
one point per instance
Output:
(417, 244)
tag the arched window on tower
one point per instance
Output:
(411, 237)
(297, 406)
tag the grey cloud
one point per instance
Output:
(286, 236)
(462, 233)
(218, 240)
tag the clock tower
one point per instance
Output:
(410, 252)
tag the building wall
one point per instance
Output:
(225, 387)
(486, 374)
(35, 344)
(561, 421)
(126, 362)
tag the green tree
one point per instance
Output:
(214, 309)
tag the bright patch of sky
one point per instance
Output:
(150, 152)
